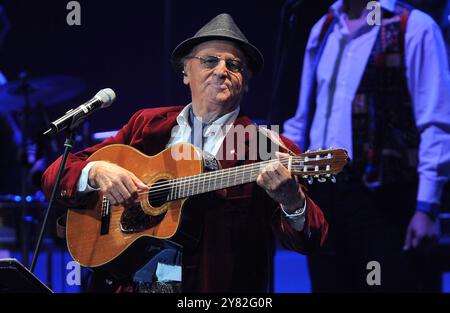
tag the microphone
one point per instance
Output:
(103, 99)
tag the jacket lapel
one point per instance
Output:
(158, 130)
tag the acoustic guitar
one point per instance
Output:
(98, 234)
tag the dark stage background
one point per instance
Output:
(125, 45)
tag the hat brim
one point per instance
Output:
(255, 58)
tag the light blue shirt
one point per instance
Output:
(213, 134)
(428, 83)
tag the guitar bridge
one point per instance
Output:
(106, 216)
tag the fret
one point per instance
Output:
(188, 184)
(177, 189)
(192, 184)
(171, 186)
(204, 179)
(196, 185)
(255, 172)
(195, 182)
(251, 172)
(183, 186)
(222, 179)
(201, 183)
(206, 182)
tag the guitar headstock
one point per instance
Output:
(320, 164)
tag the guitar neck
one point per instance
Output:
(206, 182)
(319, 164)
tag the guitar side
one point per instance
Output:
(85, 241)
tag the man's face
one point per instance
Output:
(216, 85)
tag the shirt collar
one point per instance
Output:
(183, 117)
(389, 5)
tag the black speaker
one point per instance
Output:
(16, 278)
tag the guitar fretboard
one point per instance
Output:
(308, 164)
(202, 183)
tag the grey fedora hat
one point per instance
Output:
(222, 27)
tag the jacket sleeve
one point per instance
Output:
(315, 230)
(66, 193)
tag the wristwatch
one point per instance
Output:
(296, 214)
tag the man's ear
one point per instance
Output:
(185, 77)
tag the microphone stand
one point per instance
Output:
(68, 145)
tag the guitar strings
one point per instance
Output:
(164, 190)
(186, 191)
(216, 173)
(193, 181)
(203, 176)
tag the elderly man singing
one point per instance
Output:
(237, 225)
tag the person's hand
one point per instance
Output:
(422, 232)
(117, 184)
(279, 184)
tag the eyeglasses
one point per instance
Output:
(211, 61)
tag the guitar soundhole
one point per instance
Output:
(134, 219)
(158, 193)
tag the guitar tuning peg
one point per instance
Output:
(321, 179)
(310, 180)
(333, 179)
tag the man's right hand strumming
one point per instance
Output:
(117, 184)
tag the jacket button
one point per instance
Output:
(63, 193)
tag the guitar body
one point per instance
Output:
(94, 240)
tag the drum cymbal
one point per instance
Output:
(48, 90)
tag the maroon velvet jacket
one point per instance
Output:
(237, 243)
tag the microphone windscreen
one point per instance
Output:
(106, 96)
